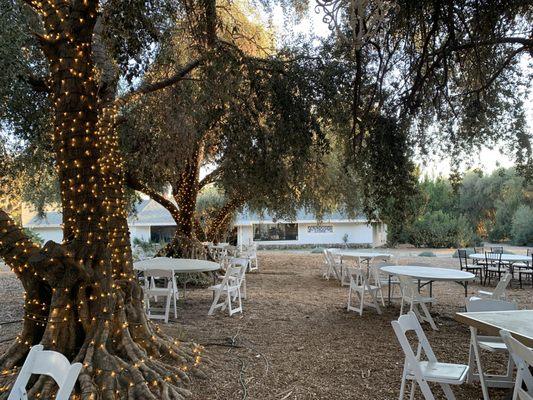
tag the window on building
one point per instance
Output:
(281, 231)
(320, 229)
(162, 233)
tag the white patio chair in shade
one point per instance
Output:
(493, 344)
(420, 371)
(417, 302)
(250, 252)
(359, 287)
(168, 290)
(245, 263)
(228, 291)
(523, 358)
(333, 268)
(499, 292)
(50, 363)
(376, 278)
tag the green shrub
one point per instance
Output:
(440, 229)
(317, 250)
(427, 254)
(522, 226)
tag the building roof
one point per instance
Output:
(149, 212)
(247, 218)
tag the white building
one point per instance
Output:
(334, 230)
(153, 222)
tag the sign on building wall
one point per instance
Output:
(320, 229)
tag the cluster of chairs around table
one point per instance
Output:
(421, 365)
(494, 264)
(229, 286)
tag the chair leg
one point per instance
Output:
(447, 391)
(215, 302)
(428, 316)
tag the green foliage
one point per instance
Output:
(34, 236)
(522, 226)
(317, 250)
(427, 254)
(440, 229)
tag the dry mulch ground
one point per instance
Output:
(296, 340)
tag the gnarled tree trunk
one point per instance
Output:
(82, 297)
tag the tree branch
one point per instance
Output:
(136, 184)
(152, 87)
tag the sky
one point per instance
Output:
(485, 159)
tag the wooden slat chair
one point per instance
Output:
(493, 266)
(49, 363)
(228, 291)
(419, 371)
(464, 264)
(493, 344)
(523, 358)
(166, 289)
(359, 287)
(417, 302)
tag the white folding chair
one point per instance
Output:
(230, 290)
(430, 370)
(333, 268)
(49, 363)
(523, 358)
(494, 344)
(417, 302)
(245, 264)
(499, 290)
(358, 288)
(169, 291)
(377, 279)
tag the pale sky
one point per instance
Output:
(486, 159)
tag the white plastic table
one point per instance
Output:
(519, 323)
(179, 266)
(511, 258)
(365, 255)
(430, 275)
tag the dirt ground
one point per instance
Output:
(295, 339)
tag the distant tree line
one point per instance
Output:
(469, 209)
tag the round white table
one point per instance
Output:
(365, 255)
(179, 266)
(511, 258)
(429, 275)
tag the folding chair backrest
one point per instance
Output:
(497, 249)
(407, 286)
(49, 363)
(463, 258)
(479, 305)
(329, 257)
(375, 270)
(479, 250)
(492, 257)
(523, 358)
(233, 276)
(499, 290)
(404, 324)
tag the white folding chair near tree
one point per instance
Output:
(493, 344)
(245, 263)
(358, 288)
(228, 292)
(421, 372)
(168, 290)
(417, 302)
(499, 292)
(523, 358)
(250, 252)
(49, 363)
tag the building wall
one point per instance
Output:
(46, 233)
(140, 232)
(358, 234)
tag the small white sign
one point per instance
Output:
(320, 229)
